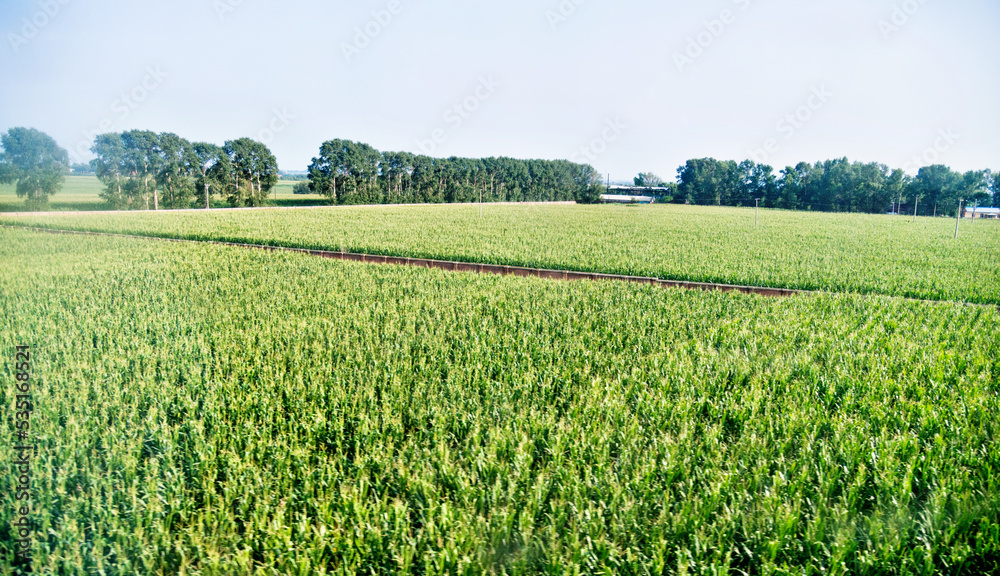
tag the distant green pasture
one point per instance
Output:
(83, 193)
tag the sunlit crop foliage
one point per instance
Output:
(865, 254)
(211, 410)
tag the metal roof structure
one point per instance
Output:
(626, 199)
(637, 189)
(984, 213)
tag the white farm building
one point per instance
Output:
(988, 213)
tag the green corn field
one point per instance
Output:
(204, 409)
(857, 253)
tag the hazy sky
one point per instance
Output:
(626, 86)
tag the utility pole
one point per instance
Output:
(480, 204)
(974, 208)
(756, 212)
(916, 202)
(958, 218)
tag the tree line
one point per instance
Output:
(141, 169)
(144, 170)
(349, 172)
(831, 185)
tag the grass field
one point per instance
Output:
(866, 254)
(78, 193)
(82, 193)
(210, 410)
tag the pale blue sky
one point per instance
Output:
(627, 86)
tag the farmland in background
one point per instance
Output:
(866, 254)
(82, 193)
(213, 410)
(78, 193)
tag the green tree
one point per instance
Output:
(110, 168)
(177, 164)
(207, 156)
(995, 188)
(838, 186)
(142, 155)
(707, 181)
(363, 166)
(975, 188)
(346, 172)
(748, 183)
(395, 170)
(254, 171)
(939, 189)
(423, 178)
(515, 179)
(35, 162)
(873, 187)
(648, 180)
(747, 187)
(588, 183)
(222, 177)
(895, 187)
(810, 178)
(328, 171)
(355, 173)
(789, 185)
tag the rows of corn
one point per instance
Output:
(857, 253)
(212, 410)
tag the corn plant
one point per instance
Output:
(211, 410)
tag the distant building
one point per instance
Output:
(626, 199)
(632, 194)
(987, 213)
